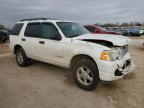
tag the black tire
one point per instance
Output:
(25, 59)
(4, 40)
(94, 70)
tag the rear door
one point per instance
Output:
(30, 39)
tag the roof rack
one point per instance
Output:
(31, 19)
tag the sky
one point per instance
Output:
(83, 11)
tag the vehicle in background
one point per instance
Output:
(3, 36)
(141, 31)
(115, 31)
(125, 32)
(99, 30)
(134, 32)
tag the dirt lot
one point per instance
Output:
(43, 85)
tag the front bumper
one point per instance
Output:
(113, 70)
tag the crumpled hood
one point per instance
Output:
(116, 40)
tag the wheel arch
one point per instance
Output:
(16, 47)
(81, 56)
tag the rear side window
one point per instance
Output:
(33, 30)
(16, 29)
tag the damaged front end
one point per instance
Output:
(117, 52)
(101, 42)
(114, 60)
(126, 65)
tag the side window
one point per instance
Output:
(33, 30)
(16, 29)
(49, 31)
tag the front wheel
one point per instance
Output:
(21, 58)
(86, 74)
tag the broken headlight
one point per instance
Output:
(116, 53)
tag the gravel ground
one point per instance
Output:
(4, 48)
(42, 85)
(137, 42)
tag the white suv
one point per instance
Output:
(91, 57)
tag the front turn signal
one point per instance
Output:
(105, 55)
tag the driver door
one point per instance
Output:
(51, 48)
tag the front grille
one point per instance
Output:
(124, 50)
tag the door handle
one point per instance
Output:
(41, 42)
(23, 39)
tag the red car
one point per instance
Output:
(99, 30)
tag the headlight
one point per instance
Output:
(116, 53)
(113, 54)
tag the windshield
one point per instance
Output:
(71, 29)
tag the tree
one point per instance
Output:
(138, 24)
(117, 24)
(108, 25)
(124, 24)
(2, 27)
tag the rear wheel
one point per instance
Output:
(4, 40)
(86, 74)
(21, 58)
